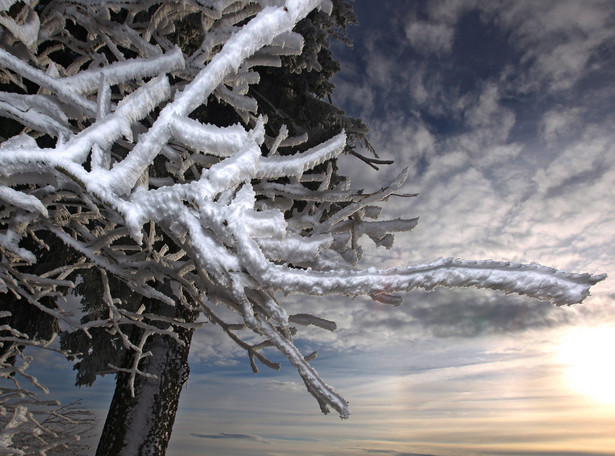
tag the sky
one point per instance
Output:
(503, 113)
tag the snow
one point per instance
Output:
(26, 32)
(296, 165)
(536, 281)
(54, 85)
(209, 139)
(127, 70)
(28, 202)
(39, 112)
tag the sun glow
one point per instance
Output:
(589, 354)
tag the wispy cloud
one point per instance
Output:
(561, 124)
(415, 454)
(285, 386)
(229, 436)
(372, 451)
(393, 452)
(428, 37)
(559, 41)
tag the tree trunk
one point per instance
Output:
(142, 425)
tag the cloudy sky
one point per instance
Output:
(503, 113)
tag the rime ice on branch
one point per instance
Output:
(111, 160)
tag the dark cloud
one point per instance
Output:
(475, 314)
(427, 56)
(463, 313)
(230, 436)
(415, 454)
(290, 438)
(373, 451)
(579, 180)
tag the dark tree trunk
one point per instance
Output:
(142, 425)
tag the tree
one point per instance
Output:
(182, 154)
(29, 425)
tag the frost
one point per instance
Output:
(19, 199)
(127, 70)
(26, 29)
(38, 112)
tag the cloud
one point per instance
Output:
(285, 386)
(406, 139)
(561, 123)
(451, 314)
(504, 177)
(393, 452)
(428, 37)
(415, 454)
(358, 98)
(582, 164)
(436, 34)
(380, 67)
(229, 436)
(559, 40)
(479, 315)
(211, 345)
(442, 314)
(372, 451)
(483, 110)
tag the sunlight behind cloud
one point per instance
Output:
(590, 370)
